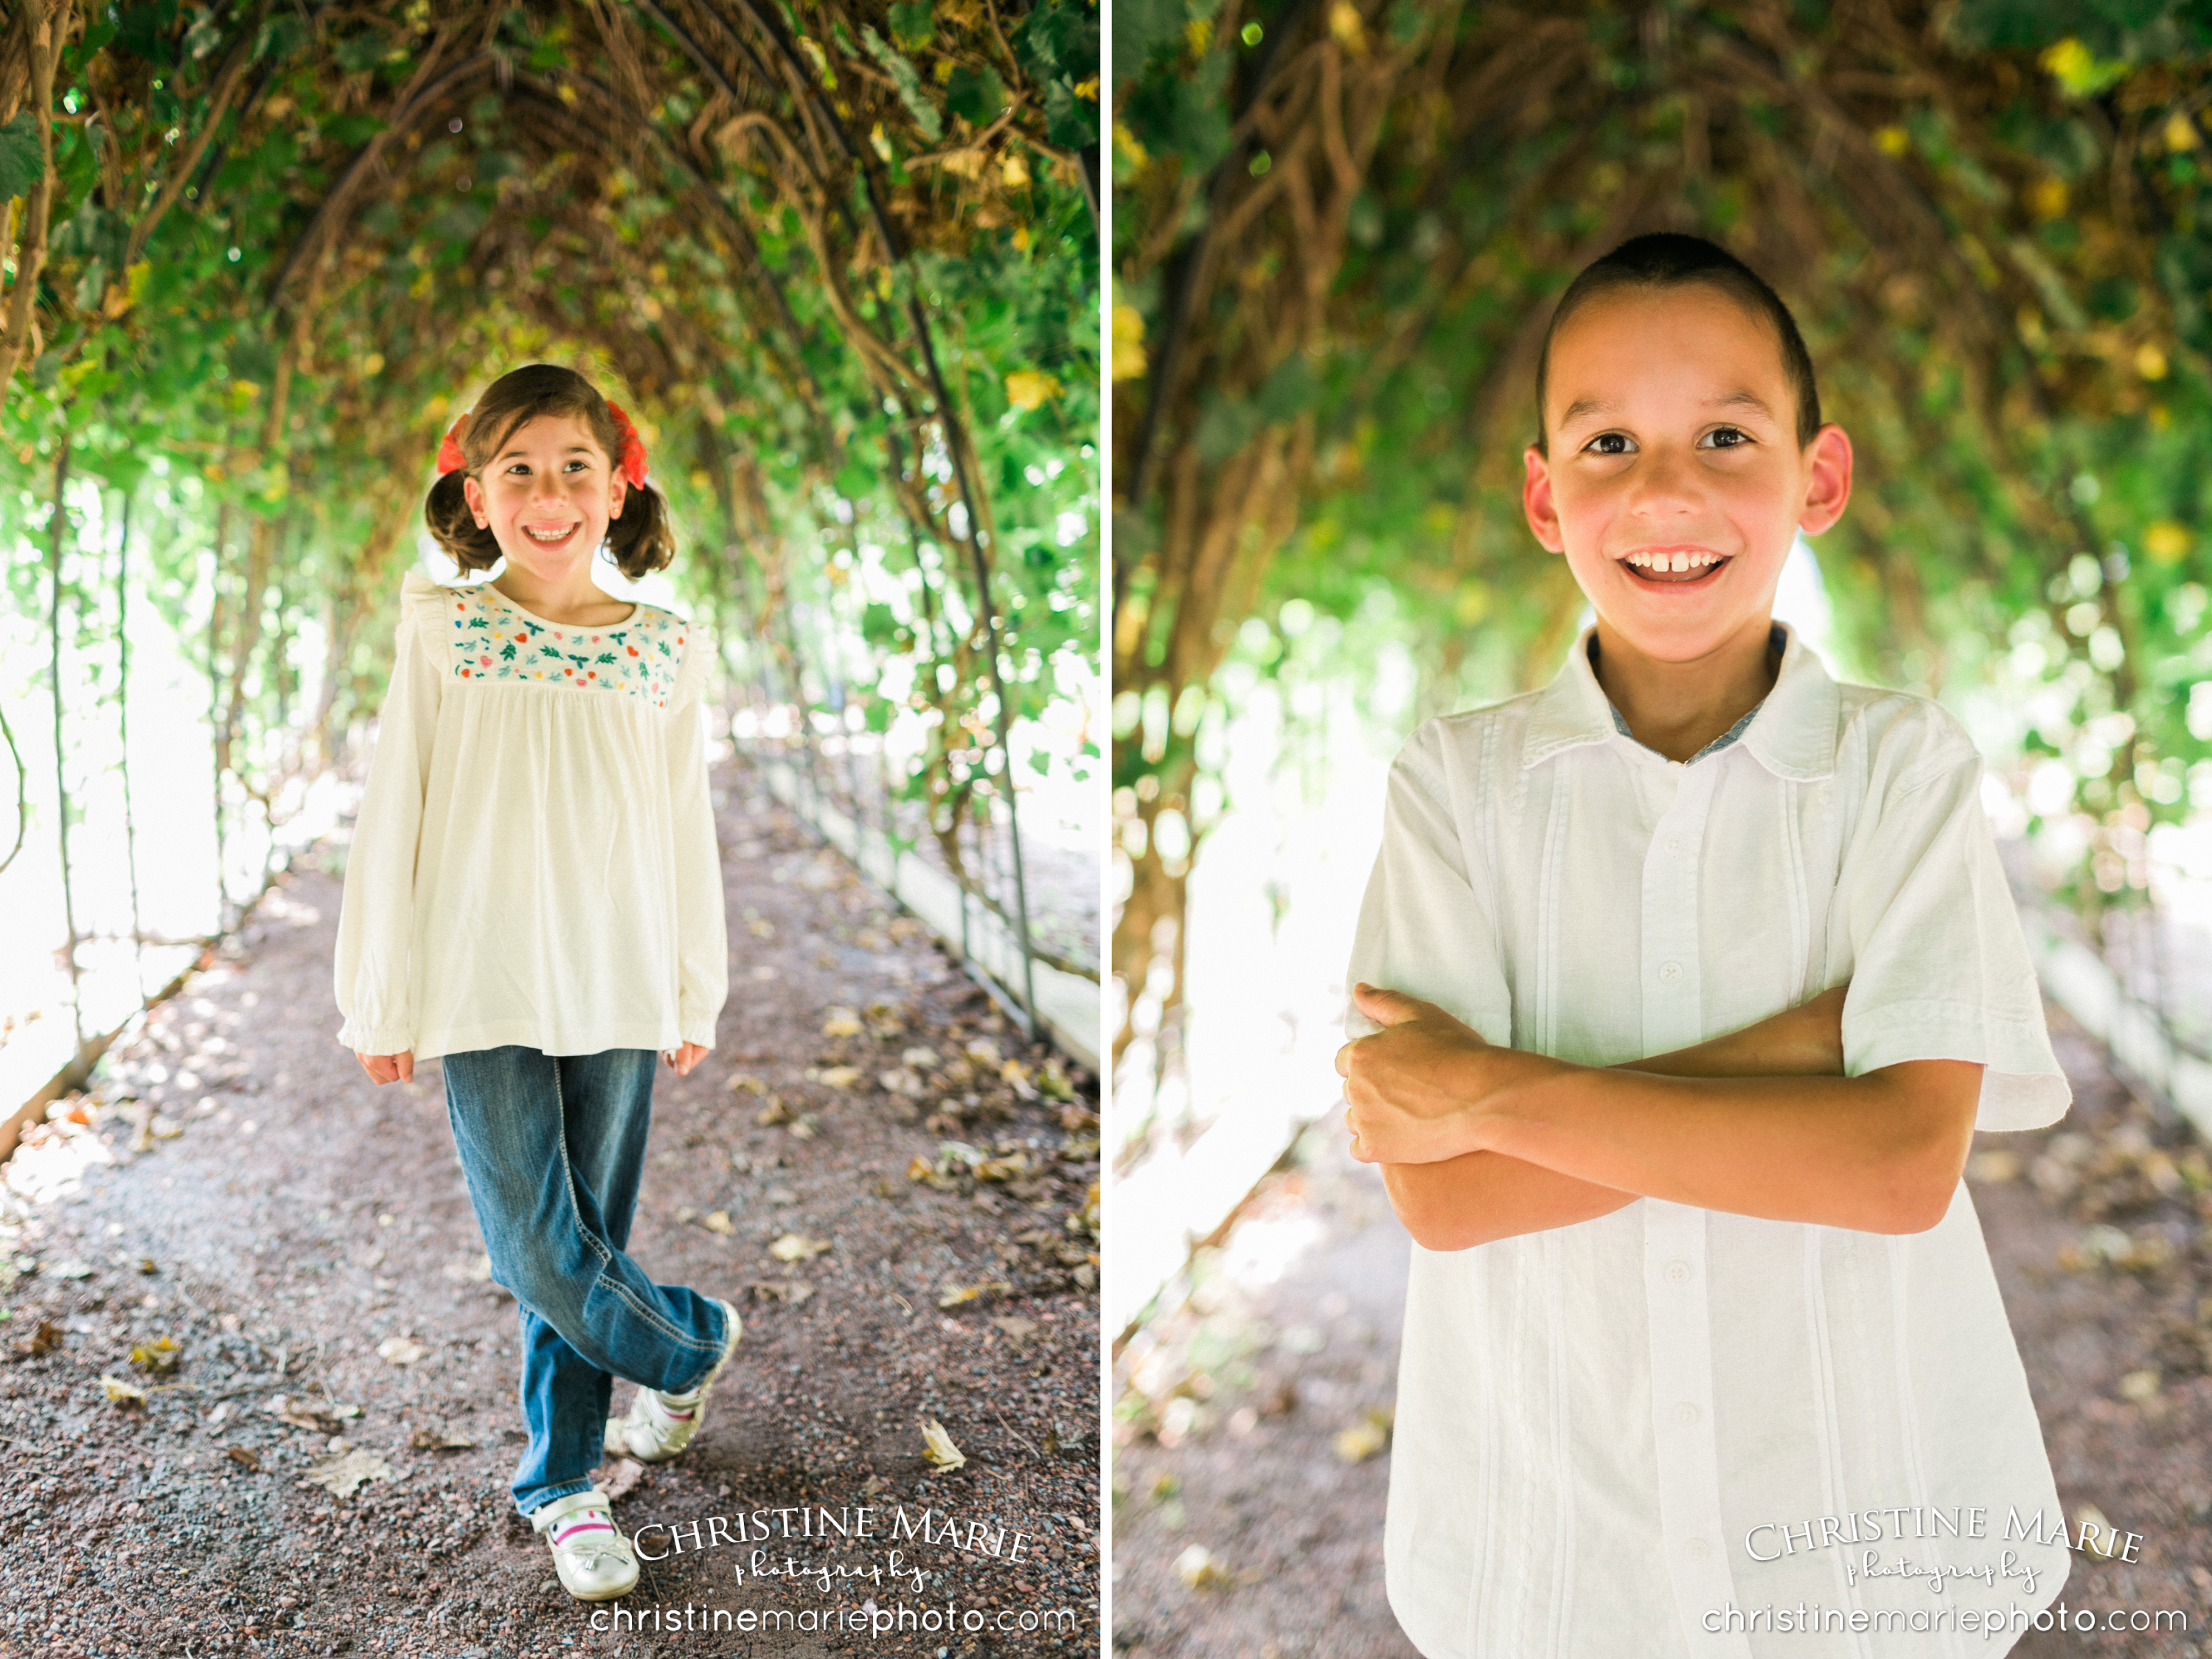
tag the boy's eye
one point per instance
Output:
(1728, 437)
(1609, 443)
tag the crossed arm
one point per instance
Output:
(1478, 1142)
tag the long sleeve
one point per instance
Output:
(376, 917)
(702, 949)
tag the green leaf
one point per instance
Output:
(908, 79)
(912, 25)
(976, 95)
(20, 166)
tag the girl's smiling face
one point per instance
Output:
(548, 496)
(1675, 483)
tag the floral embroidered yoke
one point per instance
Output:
(494, 639)
(534, 861)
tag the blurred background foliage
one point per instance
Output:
(1340, 227)
(837, 258)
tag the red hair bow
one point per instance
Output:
(632, 458)
(450, 459)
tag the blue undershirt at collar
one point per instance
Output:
(1776, 640)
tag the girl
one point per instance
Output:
(535, 895)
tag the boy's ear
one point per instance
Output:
(1536, 502)
(1828, 486)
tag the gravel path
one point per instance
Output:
(1250, 1470)
(295, 1231)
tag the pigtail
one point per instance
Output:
(644, 538)
(447, 516)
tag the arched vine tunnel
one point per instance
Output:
(839, 260)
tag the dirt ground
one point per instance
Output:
(1251, 1465)
(304, 1241)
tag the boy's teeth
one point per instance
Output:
(1673, 562)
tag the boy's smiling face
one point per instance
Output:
(1675, 483)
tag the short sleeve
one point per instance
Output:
(1940, 969)
(376, 915)
(1426, 923)
(701, 938)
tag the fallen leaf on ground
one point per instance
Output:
(804, 1125)
(243, 1457)
(953, 1295)
(842, 1023)
(789, 1292)
(400, 1350)
(123, 1392)
(2139, 1386)
(1052, 1083)
(340, 1475)
(937, 1450)
(440, 1440)
(45, 1339)
(919, 1056)
(1197, 1567)
(1015, 1325)
(160, 1355)
(838, 1077)
(902, 1081)
(984, 1049)
(717, 1221)
(923, 1169)
(746, 1080)
(796, 1247)
(618, 1477)
(74, 1270)
(774, 1112)
(1370, 1435)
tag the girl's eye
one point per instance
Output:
(1609, 443)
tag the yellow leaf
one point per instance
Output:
(2165, 541)
(1129, 343)
(2047, 198)
(2150, 362)
(1014, 170)
(123, 1392)
(842, 1022)
(717, 1221)
(1026, 388)
(160, 1356)
(839, 1077)
(796, 1247)
(937, 1450)
(1892, 140)
(2181, 133)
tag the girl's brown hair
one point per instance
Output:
(642, 539)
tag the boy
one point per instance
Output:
(1703, 1352)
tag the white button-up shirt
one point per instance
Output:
(1672, 1430)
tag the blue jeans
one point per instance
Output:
(552, 1147)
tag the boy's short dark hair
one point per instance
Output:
(1668, 259)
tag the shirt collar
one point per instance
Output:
(1792, 733)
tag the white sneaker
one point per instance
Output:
(593, 1558)
(659, 1426)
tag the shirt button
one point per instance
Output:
(1685, 1413)
(1673, 844)
(1669, 972)
(1695, 1549)
(1678, 1272)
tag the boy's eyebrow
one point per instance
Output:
(1740, 397)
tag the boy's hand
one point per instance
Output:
(389, 1068)
(1408, 1085)
(683, 1058)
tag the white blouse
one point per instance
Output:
(1669, 1430)
(534, 862)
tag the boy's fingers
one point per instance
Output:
(405, 1067)
(1388, 1007)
